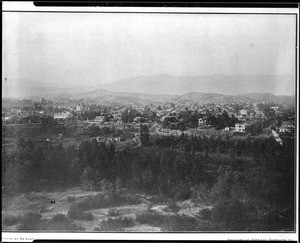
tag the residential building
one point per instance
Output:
(243, 112)
(201, 122)
(239, 127)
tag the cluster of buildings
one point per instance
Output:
(243, 113)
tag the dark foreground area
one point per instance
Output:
(191, 184)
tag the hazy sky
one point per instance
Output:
(96, 48)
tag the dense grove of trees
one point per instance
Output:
(219, 121)
(249, 183)
(129, 114)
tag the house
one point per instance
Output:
(119, 122)
(274, 108)
(243, 112)
(285, 128)
(62, 116)
(239, 127)
(176, 133)
(137, 119)
(6, 120)
(77, 108)
(241, 118)
(201, 122)
(99, 119)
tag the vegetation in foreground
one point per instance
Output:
(248, 185)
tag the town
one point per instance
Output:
(122, 124)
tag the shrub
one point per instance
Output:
(183, 192)
(88, 216)
(230, 215)
(30, 221)
(205, 214)
(10, 219)
(62, 223)
(113, 213)
(75, 212)
(101, 201)
(172, 206)
(168, 222)
(32, 202)
(157, 199)
(131, 199)
(59, 217)
(87, 179)
(149, 217)
(97, 201)
(71, 199)
(116, 224)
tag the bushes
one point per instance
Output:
(9, 220)
(172, 206)
(71, 199)
(183, 192)
(76, 212)
(62, 223)
(205, 214)
(230, 215)
(130, 199)
(31, 202)
(30, 221)
(102, 201)
(113, 213)
(33, 221)
(116, 224)
(91, 202)
(87, 179)
(168, 222)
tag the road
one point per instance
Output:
(153, 128)
(137, 139)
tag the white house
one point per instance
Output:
(240, 127)
(200, 122)
(176, 133)
(243, 112)
(119, 122)
(77, 108)
(62, 115)
(99, 119)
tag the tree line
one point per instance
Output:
(255, 178)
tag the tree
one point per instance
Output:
(144, 130)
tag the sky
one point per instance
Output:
(96, 48)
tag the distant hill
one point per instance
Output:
(229, 85)
(128, 98)
(268, 97)
(249, 97)
(154, 90)
(26, 88)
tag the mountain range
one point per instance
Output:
(158, 89)
(222, 84)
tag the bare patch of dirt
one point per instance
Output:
(49, 204)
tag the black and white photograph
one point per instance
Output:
(149, 120)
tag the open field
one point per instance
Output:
(131, 212)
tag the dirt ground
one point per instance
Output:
(48, 204)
